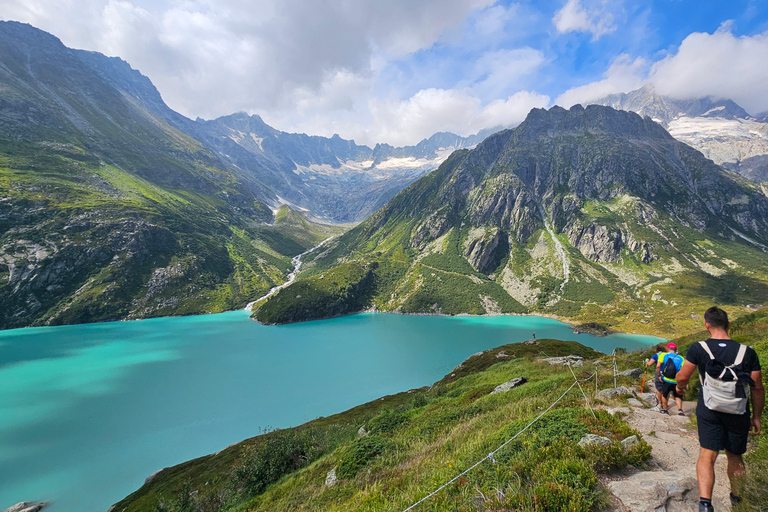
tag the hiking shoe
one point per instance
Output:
(680, 413)
(664, 411)
(706, 507)
(735, 500)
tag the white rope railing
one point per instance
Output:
(491, 454)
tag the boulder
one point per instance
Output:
(629, 443)
(330, 478)
(634, 373)
(650, 399)
(634, 402)
(27, 506)
(593, 439)
(614, 392)
(361, 432)
(657, 491)
(614, 410)
(517, 381)
(565, 360)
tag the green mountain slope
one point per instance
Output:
(108, 212)
(592, 213)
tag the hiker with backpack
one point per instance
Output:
(658, 384)
(666, 369)
(730, 375)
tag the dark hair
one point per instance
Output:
(716, 317)
(660, 348)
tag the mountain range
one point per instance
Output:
(719, 128)
(589, 212)
(114, 206)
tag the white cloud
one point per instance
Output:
(720, 65)
(574, 17)
(212, 58)
(623, 75)
(455, 110)
(501, 70)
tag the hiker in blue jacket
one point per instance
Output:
(669, 364)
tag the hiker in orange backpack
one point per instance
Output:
(730, 375)
(669, 364)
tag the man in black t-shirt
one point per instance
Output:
(719, 430)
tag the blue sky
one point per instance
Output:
(400, 70)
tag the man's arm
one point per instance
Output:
(684, 375)
(758, 401)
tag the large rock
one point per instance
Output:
(657, 491)
(650, 399)
(517, 381)
(593, 439)
(634, 402)
(27, 506)
(630, 442)
(484, 251)
(634, 373)
(614, 392)
(330, 478)
(574, 360)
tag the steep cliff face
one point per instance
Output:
(579, 206)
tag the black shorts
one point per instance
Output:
(670, 388)
(659, 384)
(722, 431)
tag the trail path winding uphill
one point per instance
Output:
(296, 262)
(670, 483)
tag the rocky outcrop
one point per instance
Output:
(592, 328)
(594, 440)
(614, 392)
(634, 373)
(657, 491)
(596, 242)
(430, 229)
(572, 360)
(330, 478)
(629, 442)
(510, 384)
(484, 251)
(27, 506)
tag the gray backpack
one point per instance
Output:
(721, 385)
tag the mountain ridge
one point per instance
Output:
(719, 128)
(573, 207)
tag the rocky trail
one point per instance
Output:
(669, 483)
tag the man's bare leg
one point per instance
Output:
(705, 472)
(679, 403)
(735, 470)
(664, 403)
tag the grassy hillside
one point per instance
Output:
(82, 240)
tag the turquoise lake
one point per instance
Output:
(87, 412)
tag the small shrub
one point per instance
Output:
(358, 454)
(387, 421)
(610, 457)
